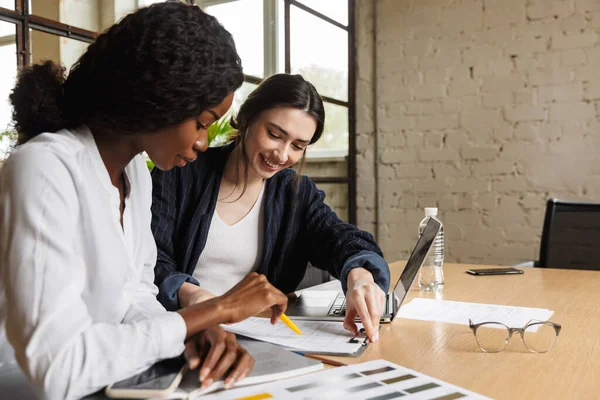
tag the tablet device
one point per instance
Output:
(160, 380)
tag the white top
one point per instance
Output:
(231, 252)
(77, 296)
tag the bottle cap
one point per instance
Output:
(431, 211)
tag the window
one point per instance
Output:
(8, 73)
(320, 53)
(240, 96)
(244, 20)
(49, 37)
(334, 141)
(334, 9)
(82, 14)
(311, 38)
(9, 4)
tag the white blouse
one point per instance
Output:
(77, 294)
(231, 251)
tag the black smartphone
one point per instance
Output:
(494, 271)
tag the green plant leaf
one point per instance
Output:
(220, 132)
(10, 134)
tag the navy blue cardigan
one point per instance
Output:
(298, 227)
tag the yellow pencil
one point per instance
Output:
(284, 318)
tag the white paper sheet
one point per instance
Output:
(373, 379)
(317, 336)
(456, 312)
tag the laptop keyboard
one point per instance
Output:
(339, 306)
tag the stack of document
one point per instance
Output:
(318, 337)
(457, 312)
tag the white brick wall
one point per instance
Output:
(490, 108)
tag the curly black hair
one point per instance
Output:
(157, 67)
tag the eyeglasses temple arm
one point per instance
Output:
(472, 325)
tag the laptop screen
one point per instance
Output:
(416, 260)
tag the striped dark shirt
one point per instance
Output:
(298, 228)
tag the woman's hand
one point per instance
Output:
(190, 294)
(365, 299)
(252, 295)
(216, 351)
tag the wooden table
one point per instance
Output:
(571, 370)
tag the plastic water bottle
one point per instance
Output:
(431, 275)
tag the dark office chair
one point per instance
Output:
(571, 236)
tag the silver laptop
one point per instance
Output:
(331, 305)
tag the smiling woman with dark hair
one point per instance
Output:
(77, 298)
(241, 208)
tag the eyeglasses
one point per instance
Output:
(537, 336)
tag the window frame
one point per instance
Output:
(271, 59)
(24, 21)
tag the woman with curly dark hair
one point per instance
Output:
(251, 192)
(78, 300)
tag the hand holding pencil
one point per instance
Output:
(252, 295)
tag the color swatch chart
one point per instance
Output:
(373, 380)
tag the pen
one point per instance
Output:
(284, 318)
(322, 359)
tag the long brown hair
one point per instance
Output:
(275, 91)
